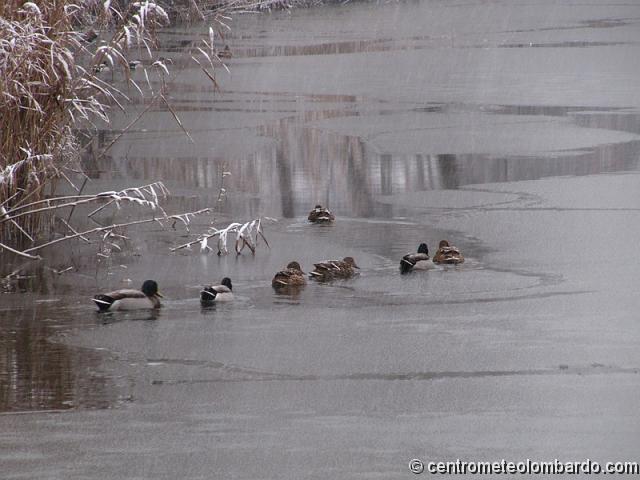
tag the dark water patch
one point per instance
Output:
(538, 209)
(594, 23)
(482, 300)
(563, 369)
(624, 121)
(391, 174)
(553, 111)
(329, 48)
(609, 22)
(255, 96)
(37, 373)
(406, 173)
(565, 44)
(181, 107)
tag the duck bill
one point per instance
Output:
(158, 294)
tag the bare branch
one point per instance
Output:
(246, 235)
(17, 252)
(111, 227)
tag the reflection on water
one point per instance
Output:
(304, 164)
(288, 294)
(36, 373)
(106, 318)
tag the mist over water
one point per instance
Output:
(512, 130)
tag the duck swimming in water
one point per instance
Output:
(321, 214)
(225, 53)
(416, 261)
(447, 254)
(330, 269)
(217, 293)
(130, 299)
(292, 276)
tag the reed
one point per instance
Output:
(51, 52)
(35, 81)
(46, 92)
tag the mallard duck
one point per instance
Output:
(447, 254)
(101, 67)
(416, 261)
(225, 53)
(89, 36)
(321, 215)
(217, 293)
(129, 299)
(292, 276)
(331, 269)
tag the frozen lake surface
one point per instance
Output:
(511, 129)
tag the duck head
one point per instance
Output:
(350, 261)
(443, 243)
(423, 249)
(294, 266)
(150, 288)
(226, 281)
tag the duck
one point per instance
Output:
(447, 254)
(225, 53)
(89, 36)
(101, 67)
(292, 276)
(319, 214)
(416, 261)
(129, 299)
(217, 293)
(330, 269)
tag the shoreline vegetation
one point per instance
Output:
(52, 97)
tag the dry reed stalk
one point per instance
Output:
(50, 53)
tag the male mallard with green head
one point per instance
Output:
(330, 269)
(130, 299)
(321, 214)
(217, 293)
(292, 276)
(447, 254)
(416, 261)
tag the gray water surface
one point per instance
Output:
(512, 129)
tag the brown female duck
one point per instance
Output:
(330, 269)
(292, 276)
(321, 214)
(447, 254)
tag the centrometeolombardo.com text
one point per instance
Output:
(525, 467)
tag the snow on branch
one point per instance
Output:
(245, 235)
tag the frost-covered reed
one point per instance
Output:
(51, 53)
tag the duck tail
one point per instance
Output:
(103, 302)
(406, 265)
(208, 295)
